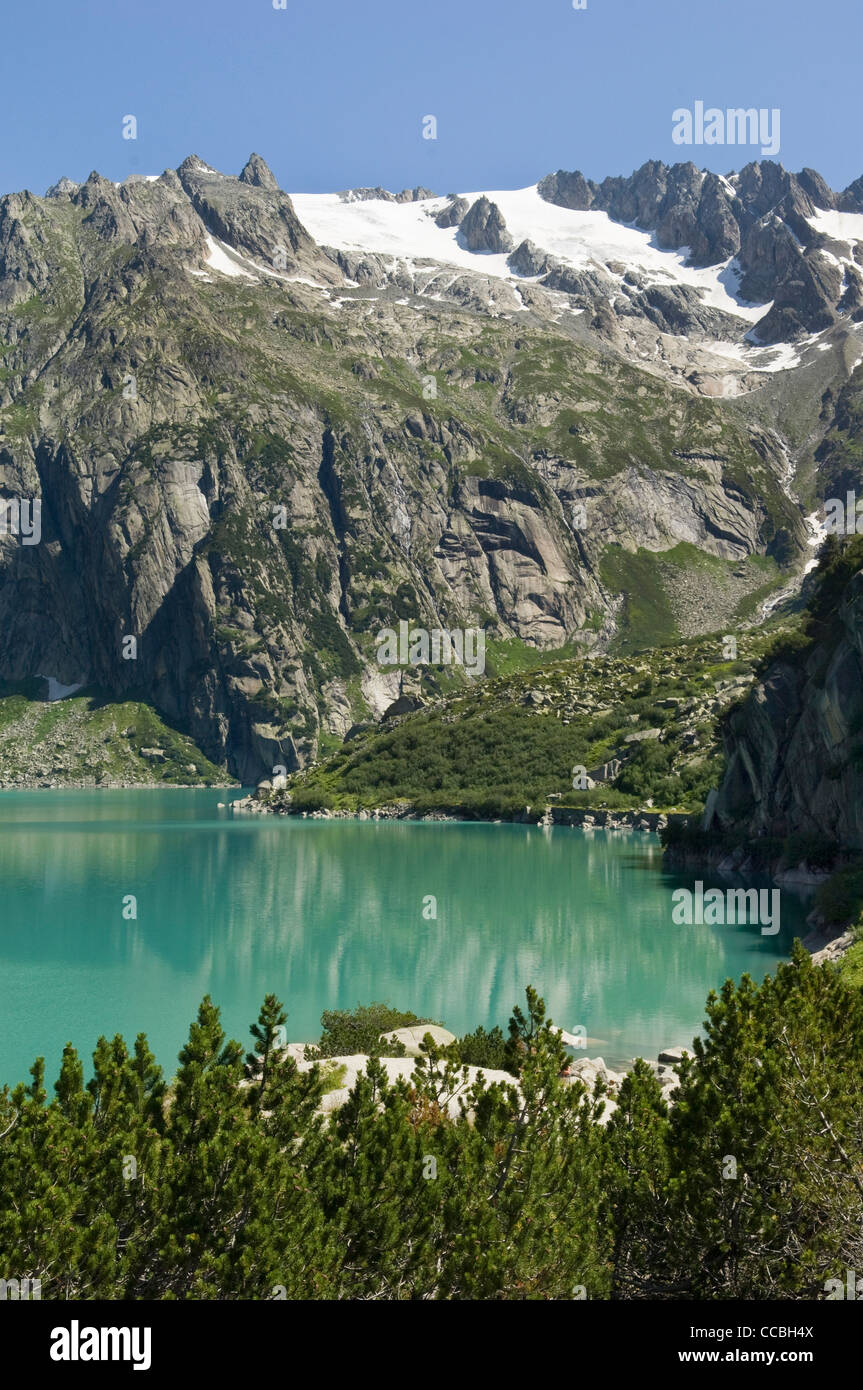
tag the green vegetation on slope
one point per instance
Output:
(85, 739)
(514, 741)
(676, 593)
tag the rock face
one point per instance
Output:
(453, 213)
(528, 259)
(567, 190)
(414, 195)
(365, 195)
(63, 187)
(794, 763)
(484, 229)
(251, 213)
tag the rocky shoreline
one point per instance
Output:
(741, 861)
(645, 819)
(591, 1069)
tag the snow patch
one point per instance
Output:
(229, 261)
(303, 280)
(779, 357)
(56, 691)
(220, 259)
(839, 226)
(816, 525)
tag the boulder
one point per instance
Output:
(402, 1067)
(405, 704)
(413, 1036)
(154, 755)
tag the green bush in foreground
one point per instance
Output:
(230, 1184)
(348, 1031)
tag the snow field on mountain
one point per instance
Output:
(407, 231)
(840, 226)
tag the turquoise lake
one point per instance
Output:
(328, 914)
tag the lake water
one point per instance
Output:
(328, 914)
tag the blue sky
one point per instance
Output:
(332, 92)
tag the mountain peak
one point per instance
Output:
(257, 172)
(63, 185)
(193, 164)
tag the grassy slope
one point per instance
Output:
(84, 738)
(652, 611)
(515, 740)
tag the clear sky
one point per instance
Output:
(333, 92)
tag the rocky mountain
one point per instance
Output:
(766, 218)
(262, 427)
(794, 752)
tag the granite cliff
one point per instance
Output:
(794, 748)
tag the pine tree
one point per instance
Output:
(636, 1182)
(766, 1137)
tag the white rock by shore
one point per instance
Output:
(396, 1067)
(584, 1069)
(411, 1038)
